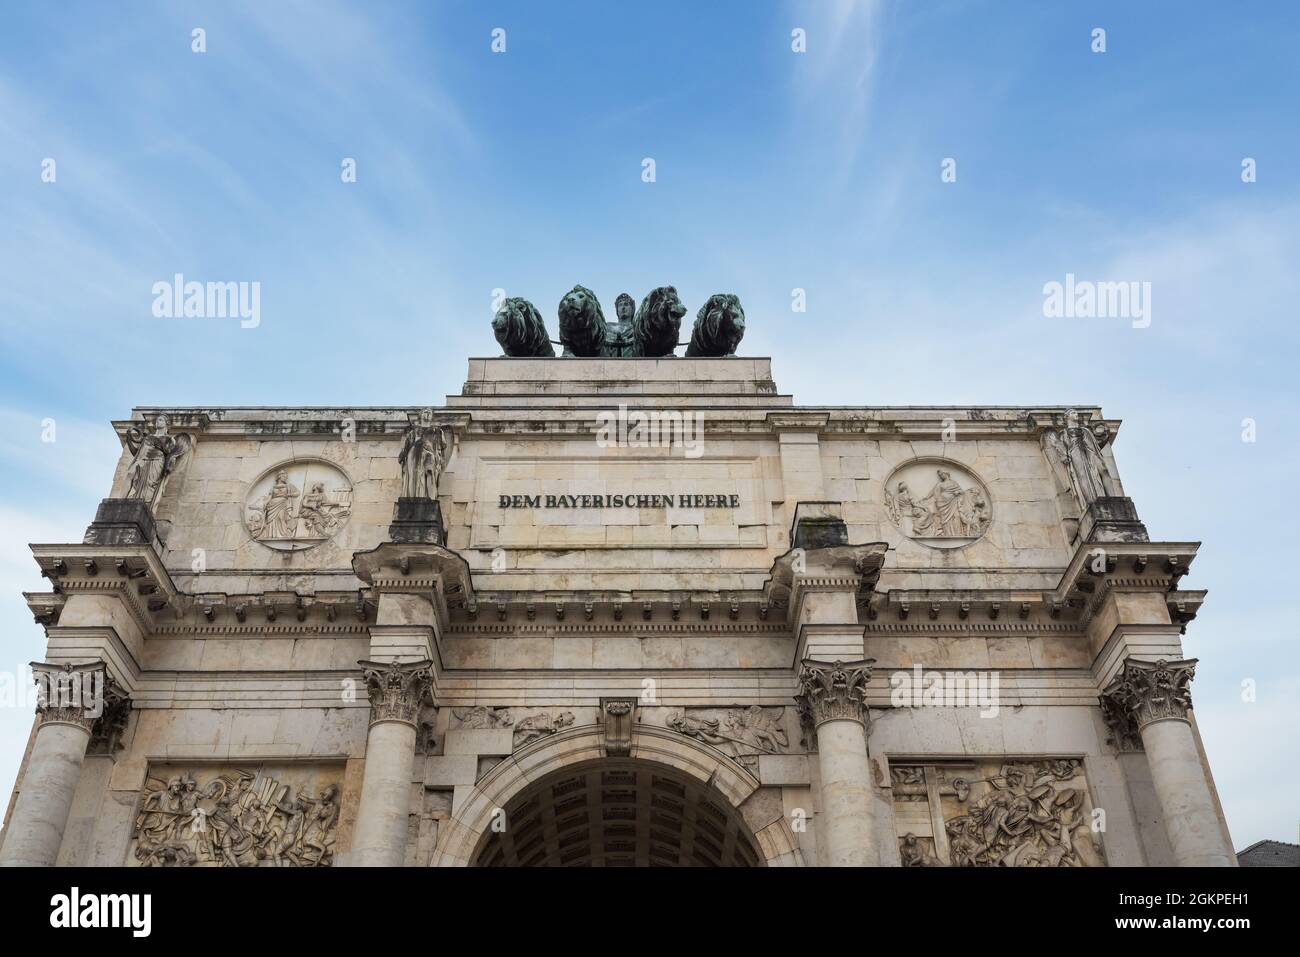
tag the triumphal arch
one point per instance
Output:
(616, 607)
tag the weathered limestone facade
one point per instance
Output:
(805, 636)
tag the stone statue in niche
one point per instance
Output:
(520, 330)
(155, 455)
(742, 733)
(1075, 455)
(719, 327)
(239, 818)
(423, 456)
(950, 512)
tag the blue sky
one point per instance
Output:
(774, 171)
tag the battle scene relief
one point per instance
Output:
(246, 816)
(999, 813)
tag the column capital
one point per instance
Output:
(84, 695)
(1144, 692)
(833, 691)
(397, 689)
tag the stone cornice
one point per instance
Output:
(488, 629)
(797, 420)
(799, 572)
(1142, 565)
(504, 414)
(132, 573)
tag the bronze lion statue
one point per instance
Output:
(519, 328)
(582, 324)
(657, 323)
(719, 327)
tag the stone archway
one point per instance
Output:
(699, 791)
(618, 812)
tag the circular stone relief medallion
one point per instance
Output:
(938, 503)
(298, 504)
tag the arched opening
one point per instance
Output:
(618, 812)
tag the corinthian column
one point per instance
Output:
(1148, 702)
(832, 704)
(397, 691)
(72, 702)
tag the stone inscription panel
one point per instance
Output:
(733, 509)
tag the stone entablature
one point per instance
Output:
(328, 614)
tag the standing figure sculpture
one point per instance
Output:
(618, 335)
(422, 457)
(1075, 453)
(279, 510)
(944, 501)
(155, 456)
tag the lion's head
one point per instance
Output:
(582, 324)
(658, 322)
(519, 328)
(719, 327)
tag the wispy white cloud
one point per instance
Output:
(835, 79)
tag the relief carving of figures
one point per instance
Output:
(743, 733)
(1012, 814)
(482, 717)
(239, 818)
(155, 455)
(539, 726)
(298, 505)
(422, 457)
(1075, 455)
(916, 852)
(948, 510)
